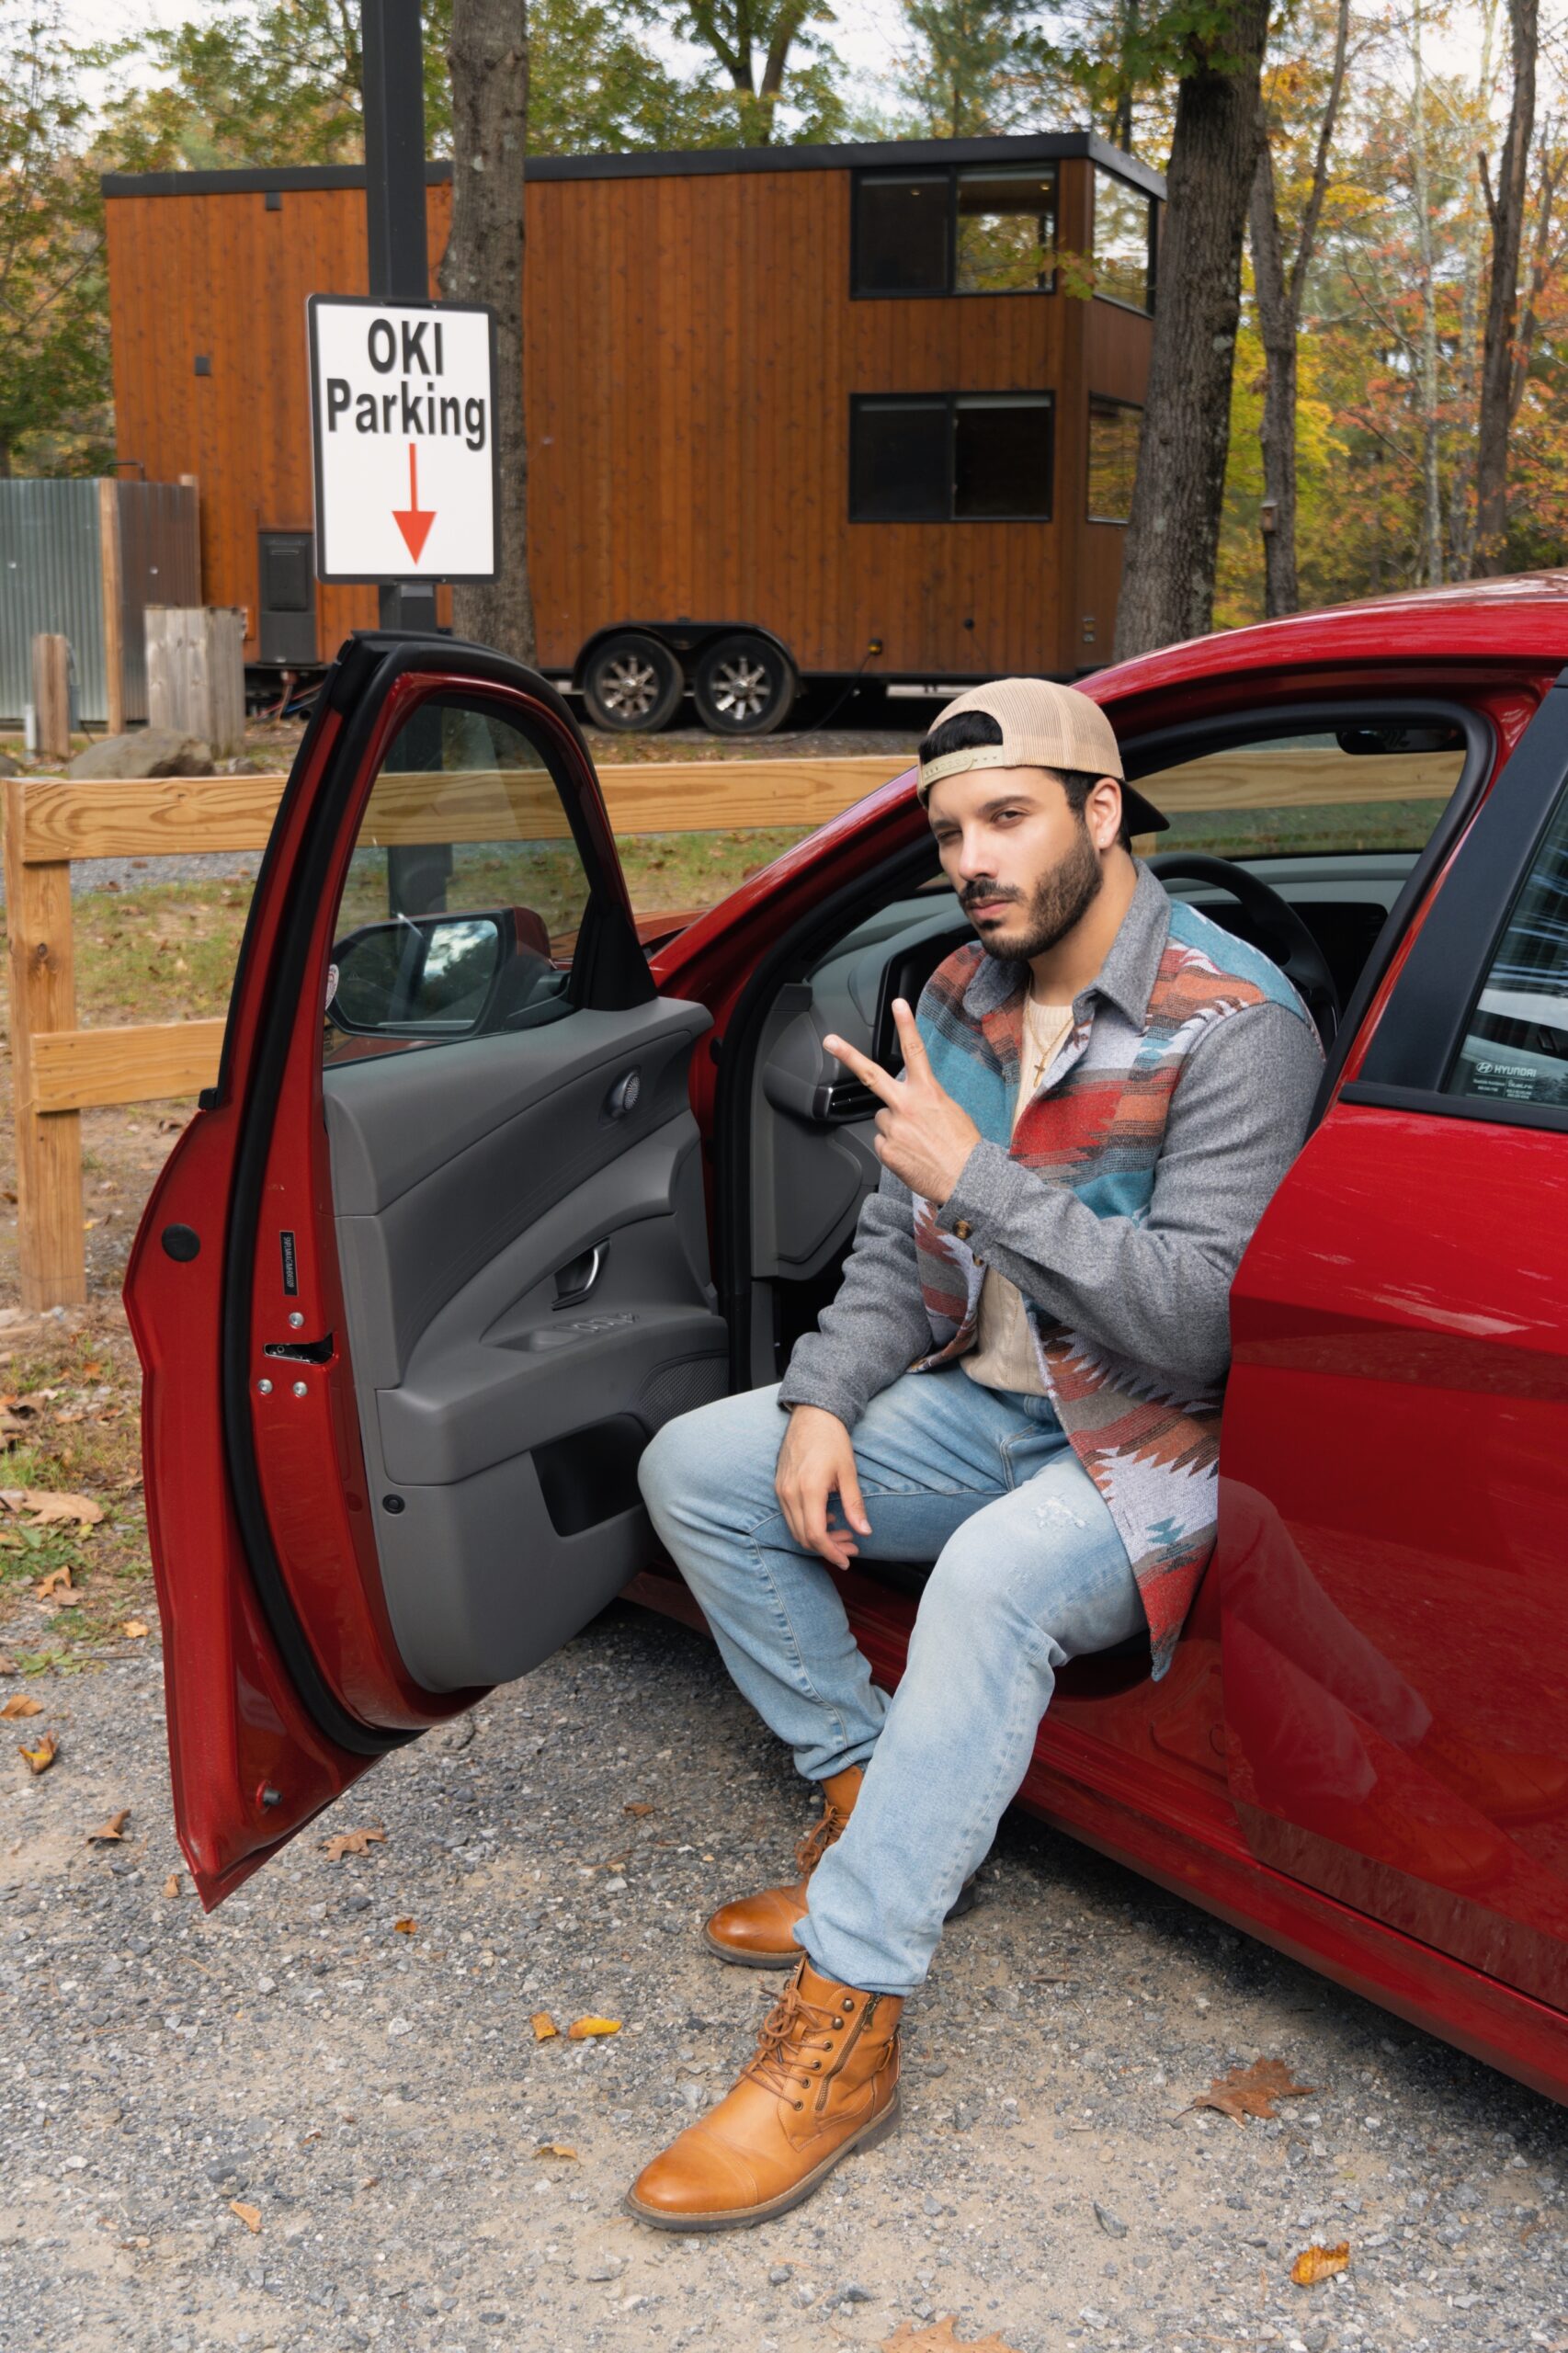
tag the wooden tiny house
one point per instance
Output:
(786, 406)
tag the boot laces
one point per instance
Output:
(793, 2027)
(820, 1837)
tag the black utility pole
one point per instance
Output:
(394, 96)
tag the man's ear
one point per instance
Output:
(1102, 812)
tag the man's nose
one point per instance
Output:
(973, 857)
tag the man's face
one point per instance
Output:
(1026, 866)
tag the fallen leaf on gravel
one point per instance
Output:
(353, 1842)
(113, 1828)
(133, 1629)
(1252, 2091)
(639, 1808)
(22, 1706)
(1315, 2263)
(406, 1928)
(171, 1885)
(937, 2337)
(555, 2149)
(40, 1758)
(249, 2215)
(8, 1665)
(91, 1371)
(583, 2029)
(543, 2025)
(45, 1506)
(57, 1581)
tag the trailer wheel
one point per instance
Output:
(631, 683)
(743, 685)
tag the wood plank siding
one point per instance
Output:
(692, 348)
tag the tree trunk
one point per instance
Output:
(1279, 302)
(1173, 533)
(1277, 325)
(1461, 510)
(1426, 377)
(484, 263)
(1506, 204)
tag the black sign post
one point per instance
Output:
(394, 96)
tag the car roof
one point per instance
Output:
(1523, 618)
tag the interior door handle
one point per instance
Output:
(575, 1282)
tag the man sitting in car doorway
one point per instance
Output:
(1020, 1380)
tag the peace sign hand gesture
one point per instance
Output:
(922, 1135)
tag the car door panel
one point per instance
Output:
(500, 1420)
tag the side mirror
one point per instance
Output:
(417, 976)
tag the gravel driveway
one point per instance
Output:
(345, 2049)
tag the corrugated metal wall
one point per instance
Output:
(52, 579)
(160, 564)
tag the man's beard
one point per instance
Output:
(1061, 899)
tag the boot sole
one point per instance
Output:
(746, 2217)
(965, 1900)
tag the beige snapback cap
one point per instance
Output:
(1043, 725)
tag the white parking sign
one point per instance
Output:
(402, 405)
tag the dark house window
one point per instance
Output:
(950, 457)
(969, 230)
(1114, 430)
(1123, 252)
(902, 232)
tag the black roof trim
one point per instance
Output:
(888, 155)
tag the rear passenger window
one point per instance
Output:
(465, 890)
(1515, 1043)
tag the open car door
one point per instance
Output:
(431, 1263)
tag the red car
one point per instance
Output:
(421, 1278)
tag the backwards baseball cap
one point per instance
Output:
(1039, 725)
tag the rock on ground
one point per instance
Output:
(343, 2050)
(146, 751)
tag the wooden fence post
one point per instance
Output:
(112, 572)
(196, 680)
(51, 696)
(43, 996)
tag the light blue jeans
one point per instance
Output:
(1029, 1573)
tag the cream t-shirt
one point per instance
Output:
(1003, 1356)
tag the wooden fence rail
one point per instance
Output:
(60, 1070)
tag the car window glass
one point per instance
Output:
(464, 895)
(1516, 1042)
(1362, 786)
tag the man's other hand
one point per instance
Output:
(922, 1135)
(816, 1462)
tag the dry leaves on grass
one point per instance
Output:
(45, 1508)
(57, 1582)
(937, 2337)
(543, 2025)
(353, 1842)
(111, 1829)
(585, 2029)
(1315, 2263)
(40, 1758)
(1252, 2091)
(555, 2149)
(249, 2215)
(22, 1705)
(133, 1629)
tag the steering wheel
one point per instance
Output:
(1281, 934)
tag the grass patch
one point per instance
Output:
(1303, 833)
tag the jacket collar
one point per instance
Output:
(1126, 978)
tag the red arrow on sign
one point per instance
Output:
(414, 521)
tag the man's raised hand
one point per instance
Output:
(922, 1135)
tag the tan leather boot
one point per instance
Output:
(825, 2081)
(758, 1932)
